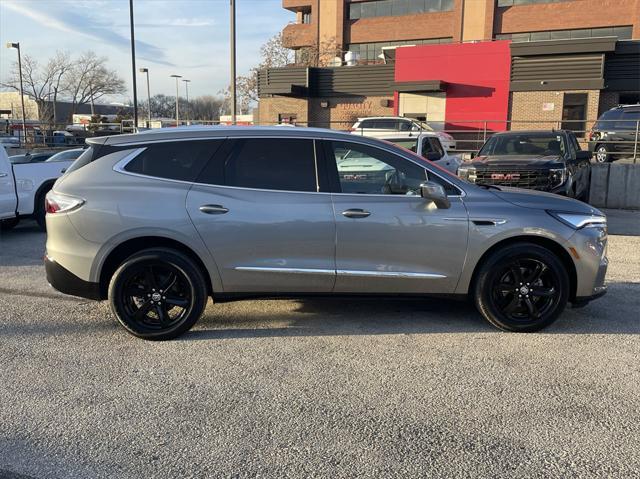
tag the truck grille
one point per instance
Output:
(532, 179)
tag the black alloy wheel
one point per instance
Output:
(523, 287)
(158, 294)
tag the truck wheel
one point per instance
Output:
(158, 294)
(9, 224)
(39, 211)
(602, 154)
(523, 287)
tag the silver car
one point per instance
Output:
(158, 222)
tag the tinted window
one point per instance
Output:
(628, 120)
(607, 119)
(524, 144)
(363, 169)
(271, 164)
(180, 160)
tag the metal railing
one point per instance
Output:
(469, 135)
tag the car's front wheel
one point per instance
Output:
(158, 294)
(602, 154)
(523, 287)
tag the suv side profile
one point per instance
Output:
(158, 222)
(615, 134)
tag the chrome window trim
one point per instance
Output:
(119, 167)
(342, 272)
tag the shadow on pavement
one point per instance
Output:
(334, 317)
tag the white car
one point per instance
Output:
(429, 146)
(381, 126)
(10, 141)
(23, 187)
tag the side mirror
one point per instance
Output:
(433, 156)
(434, 192)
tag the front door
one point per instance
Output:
(388, 238)
(258, 209)
(7, 187)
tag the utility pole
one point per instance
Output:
(177, 97)
(133, 68)
(232, 87)
(24, 123)
(146, 70)
(186, 85)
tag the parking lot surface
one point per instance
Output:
(330, 388)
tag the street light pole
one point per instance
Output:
(146, 70)
(177, 96)
(186, 86)
(24, 123)
(233, 60)
(133, 68)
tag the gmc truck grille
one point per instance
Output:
(531, 179)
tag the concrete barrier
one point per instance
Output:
(615, 185)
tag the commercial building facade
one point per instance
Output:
(466, 65)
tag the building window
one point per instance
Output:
(370, 52)
(629, 98)
(393, 8)
(574, 112)
(287, 118)
(306, 17)
(623, 33)
(510, 3)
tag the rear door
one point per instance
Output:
(388, 238)
(8, 199)
(258, 209)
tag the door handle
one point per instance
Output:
(355, 213)
(2, 175)
(214, 209)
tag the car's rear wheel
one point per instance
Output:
(158, 294)
(523, 287)
(602, 154)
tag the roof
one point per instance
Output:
(188, 132)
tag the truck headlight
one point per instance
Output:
(467, 173)
(557, 176)
(579, 220)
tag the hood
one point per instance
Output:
(518, 161)
(541, 200)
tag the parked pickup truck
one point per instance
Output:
(538, 160)
(23, 188)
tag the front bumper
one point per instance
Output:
(68, 283)
(580, 302)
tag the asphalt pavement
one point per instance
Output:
(316, 388)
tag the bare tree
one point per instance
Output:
(42, 84)
(89, 80)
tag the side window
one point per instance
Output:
(366, 170)
(448, 187)
(366, 124)
(628, 120)
(272, 164)
(179, 160)
(432, 145)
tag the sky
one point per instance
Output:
(183, 37)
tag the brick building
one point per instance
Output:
(458, 63)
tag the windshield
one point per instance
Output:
(524, 145)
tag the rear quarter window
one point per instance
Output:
(179, 160)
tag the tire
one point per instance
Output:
(602, 154)
(9, 224)
(522, 288)
(39, 212)
(138, 294)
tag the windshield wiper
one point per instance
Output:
(488, 186)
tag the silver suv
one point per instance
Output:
(157, 222)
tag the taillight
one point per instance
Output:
(59, 203)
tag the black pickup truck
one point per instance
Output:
(538, 160)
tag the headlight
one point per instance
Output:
(557, 176)
(467, 173)
(579, 220)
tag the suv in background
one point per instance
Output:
(379, 126)
(614, 134)
(157, 222)
(539, 160)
